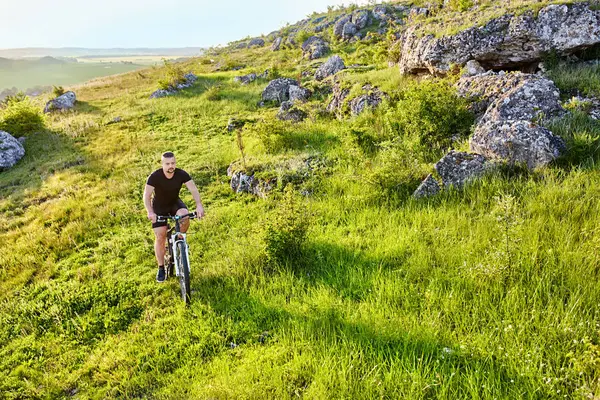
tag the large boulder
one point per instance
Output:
(314, 47)
(65, 101)
(509, 41)
(457, 168)
(333, 65)
(350, 29)
(256, 42)
(278, 90)
(361, 18)
(380, 12)
(11, 150)
(337, 98)
(517, 142)
(299, 94)
(508, 129)
(429, 187)
(243, 183)
(338, 28)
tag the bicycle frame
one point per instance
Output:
(176, 237)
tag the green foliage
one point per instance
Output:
(286, 229)
(213, 93)
(302, 35)
(460, 5)
(272, 133)
(430, 113)
(173, 74)
(58, 91)
(20, 117)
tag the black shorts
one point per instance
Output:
(172, 210)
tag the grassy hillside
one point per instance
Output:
(487, 292)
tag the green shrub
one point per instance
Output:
(301, 36)
(429, 114)
(173, 75)
(285, 229)
(396, 171)
(20, 117)
(460, 5)
(213, 93)
(272, 133)
(58, 91)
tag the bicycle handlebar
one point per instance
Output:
(163, 218)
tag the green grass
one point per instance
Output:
(26, 74)
(489, 292)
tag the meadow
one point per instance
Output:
(488, 292)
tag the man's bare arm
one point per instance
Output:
(148, 190)
(196, 195)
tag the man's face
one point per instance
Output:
(168, 165)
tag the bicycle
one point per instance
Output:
(177, 258)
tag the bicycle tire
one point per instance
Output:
(184, 276)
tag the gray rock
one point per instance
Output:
(314, 47)
(371, 99)
(288, 112)
(242, 45)
(338, 28)
(473, 68)
(256, 42)
(290, 41)
(189, 81)
(361, 18)
(429, 187)
(417, 12)
(507, 129)
(457, 168)
(337, 99)
(65, 101)
(350, 29)
(517, 142)
(242, 183)
(333, 65)
(245, 79)
(277, 44)
(299, 94)
(380, 12)
(11, 150)
(278, 90)
(505, 42)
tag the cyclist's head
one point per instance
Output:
(168, 162)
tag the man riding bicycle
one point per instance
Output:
(166, 183)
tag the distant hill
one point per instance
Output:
(82, 52)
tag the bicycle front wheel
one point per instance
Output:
(184, 273)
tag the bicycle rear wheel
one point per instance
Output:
(184, 275)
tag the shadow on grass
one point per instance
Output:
(46, 153)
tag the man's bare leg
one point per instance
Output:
(185, 223)
(160, 235)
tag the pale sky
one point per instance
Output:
(146, 23)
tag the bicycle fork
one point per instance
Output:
(175, 239)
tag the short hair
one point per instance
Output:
(168, 154)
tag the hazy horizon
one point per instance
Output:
(146, 23)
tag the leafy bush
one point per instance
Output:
(460, 5)
(213, 93)
(173, 75)
(302, 35)
(58, 91)
(286, 228)
(272, 133)
(19, 117)
(396, 170)
(429, 114)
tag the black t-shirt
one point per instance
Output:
(166, 191)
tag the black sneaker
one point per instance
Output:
(160, 275)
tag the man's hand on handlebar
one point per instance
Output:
(152, 217)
